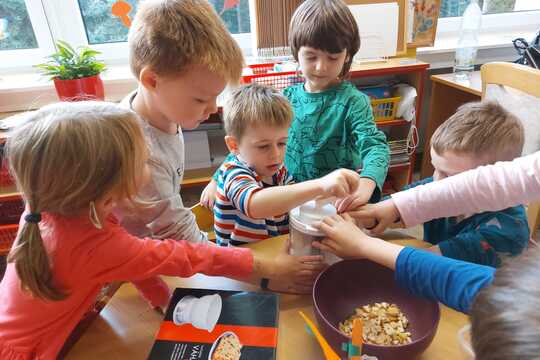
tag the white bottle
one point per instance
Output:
(467, 46)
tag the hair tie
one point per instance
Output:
(33, 218)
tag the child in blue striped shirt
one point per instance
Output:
(255, 191)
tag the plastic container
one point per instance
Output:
(302, 233)
(385, 109)
(258, 69)
(265, 74)
(467, 46)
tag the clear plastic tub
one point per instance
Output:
(302, 231)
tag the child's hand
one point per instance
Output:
(366, 186)
(295, 273)
(208, 196)
(344, 239)
(377, 217)
(339, 183)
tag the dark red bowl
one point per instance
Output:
(349, 284)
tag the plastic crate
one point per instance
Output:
(10, 211)
(8, 233)
(258, 69)
(385, 109)
(262, 74)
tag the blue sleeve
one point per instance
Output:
(490, 237)
(418, 183)
(453, 282)
(229, 157)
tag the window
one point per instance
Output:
(453, 8)
(103, 27)
(235, 14)
(503, 21)
(33, 24)
(15, 27)
(25, 38)
(100, 24)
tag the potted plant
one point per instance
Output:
(75, 73)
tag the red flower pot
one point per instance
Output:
(88, 88)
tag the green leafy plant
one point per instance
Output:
(68, 63)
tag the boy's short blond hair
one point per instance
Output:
(484, 129)
(170, 35)
(255, 105)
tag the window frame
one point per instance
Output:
(494, 22)
(27, 57)
(62, 20)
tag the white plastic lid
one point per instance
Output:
(304, 216)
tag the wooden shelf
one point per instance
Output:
(9, 193)
(400, 166)
(198, 177)
(391, 66)
(392, 122)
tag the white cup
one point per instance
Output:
(203, 313)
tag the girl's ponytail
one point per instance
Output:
(31, 261)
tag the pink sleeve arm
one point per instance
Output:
(125, 257)
(487, 188)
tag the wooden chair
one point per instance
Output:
(205, 220)
(525, 80)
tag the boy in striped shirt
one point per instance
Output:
(255, 191)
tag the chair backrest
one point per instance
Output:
(519, 77)
(205, 220)
(517, 88)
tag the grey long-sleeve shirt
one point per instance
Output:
(165, 217)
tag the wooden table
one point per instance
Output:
(127, 326)
(447, 94)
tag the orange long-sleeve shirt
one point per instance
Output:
(83, 259)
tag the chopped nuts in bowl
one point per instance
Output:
(383, 324)
(344, 286)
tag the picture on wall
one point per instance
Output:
(425, 14)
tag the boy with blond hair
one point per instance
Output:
(182, 57)
(477, 134)
(255, 191)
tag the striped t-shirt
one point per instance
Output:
(233, 224)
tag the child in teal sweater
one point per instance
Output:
(333, 123)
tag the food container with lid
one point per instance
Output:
(302, 231)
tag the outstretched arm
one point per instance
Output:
(487, 188)
(452, 282)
